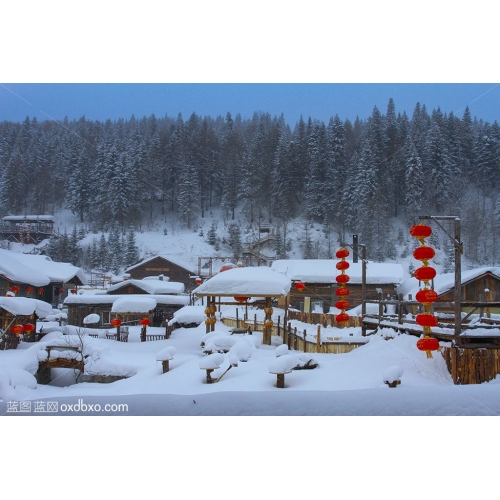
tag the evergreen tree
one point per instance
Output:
(131, 251)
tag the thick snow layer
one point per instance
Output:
(24, 306)
(37, 270)
(134, 304)
(188, 315)
(95, 298)
(324, 271)
(247, 282)
(91, 319)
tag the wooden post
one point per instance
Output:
(165, 365)
(280, 382)
(318, 340)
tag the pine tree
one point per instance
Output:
(212, 234)
(115, 249)
(131, 252)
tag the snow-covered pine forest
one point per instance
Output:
(369, 177)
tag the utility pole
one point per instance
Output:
(459, 250)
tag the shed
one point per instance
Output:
(319, 278)
(81, 305)
(29, 229)
(477, 285)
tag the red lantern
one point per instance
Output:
(426, 296)
(425, 273)
(29, 289)
(342, 317)
(342, 265)
(342, 253)
(424, 253)
(226, 267)
(420, 231)
(300, 286)
(342, 292)
(198, 281)
(342, 278)
(28, 327)
(73, 291)
(241, 299)
(15, 289)
(145, 321)
(428, 344)
(426, 320)
(41, 291)
(342, 304)
(116, 322)
(17, 329)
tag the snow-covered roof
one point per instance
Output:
(188, 266)
(246, 281)
(443, 283)
(29, 218)
(23, 306)
(151, 286)
(324, 271)
(37, 270)
(88, 298)
(135, 304)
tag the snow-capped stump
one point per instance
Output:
(165, 356)
(241, 350)
(392, 376)
(281, 350)
(210, 363)
(280, 367)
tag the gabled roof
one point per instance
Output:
(151, 286)
(188, 266)
(324, 271)
(444, 283)
(37, 270)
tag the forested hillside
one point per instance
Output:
(364, 177)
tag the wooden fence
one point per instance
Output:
(471, 366)
(295, 339)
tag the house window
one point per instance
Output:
(106, 318)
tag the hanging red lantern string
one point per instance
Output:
(342, 291)
(426, 296)
(299, 286)
(15, 288)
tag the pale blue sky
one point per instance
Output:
(318, 101)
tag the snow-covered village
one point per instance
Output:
(263, 277)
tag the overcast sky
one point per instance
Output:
(318, 101)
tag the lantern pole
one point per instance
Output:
(459, 250)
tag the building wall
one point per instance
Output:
(159, 265)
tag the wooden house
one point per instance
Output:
(477, 285)
(175, 269)
(37, 276)
(83, 304)
(28, 229)
(319, 278)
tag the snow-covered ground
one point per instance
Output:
(341, 384)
